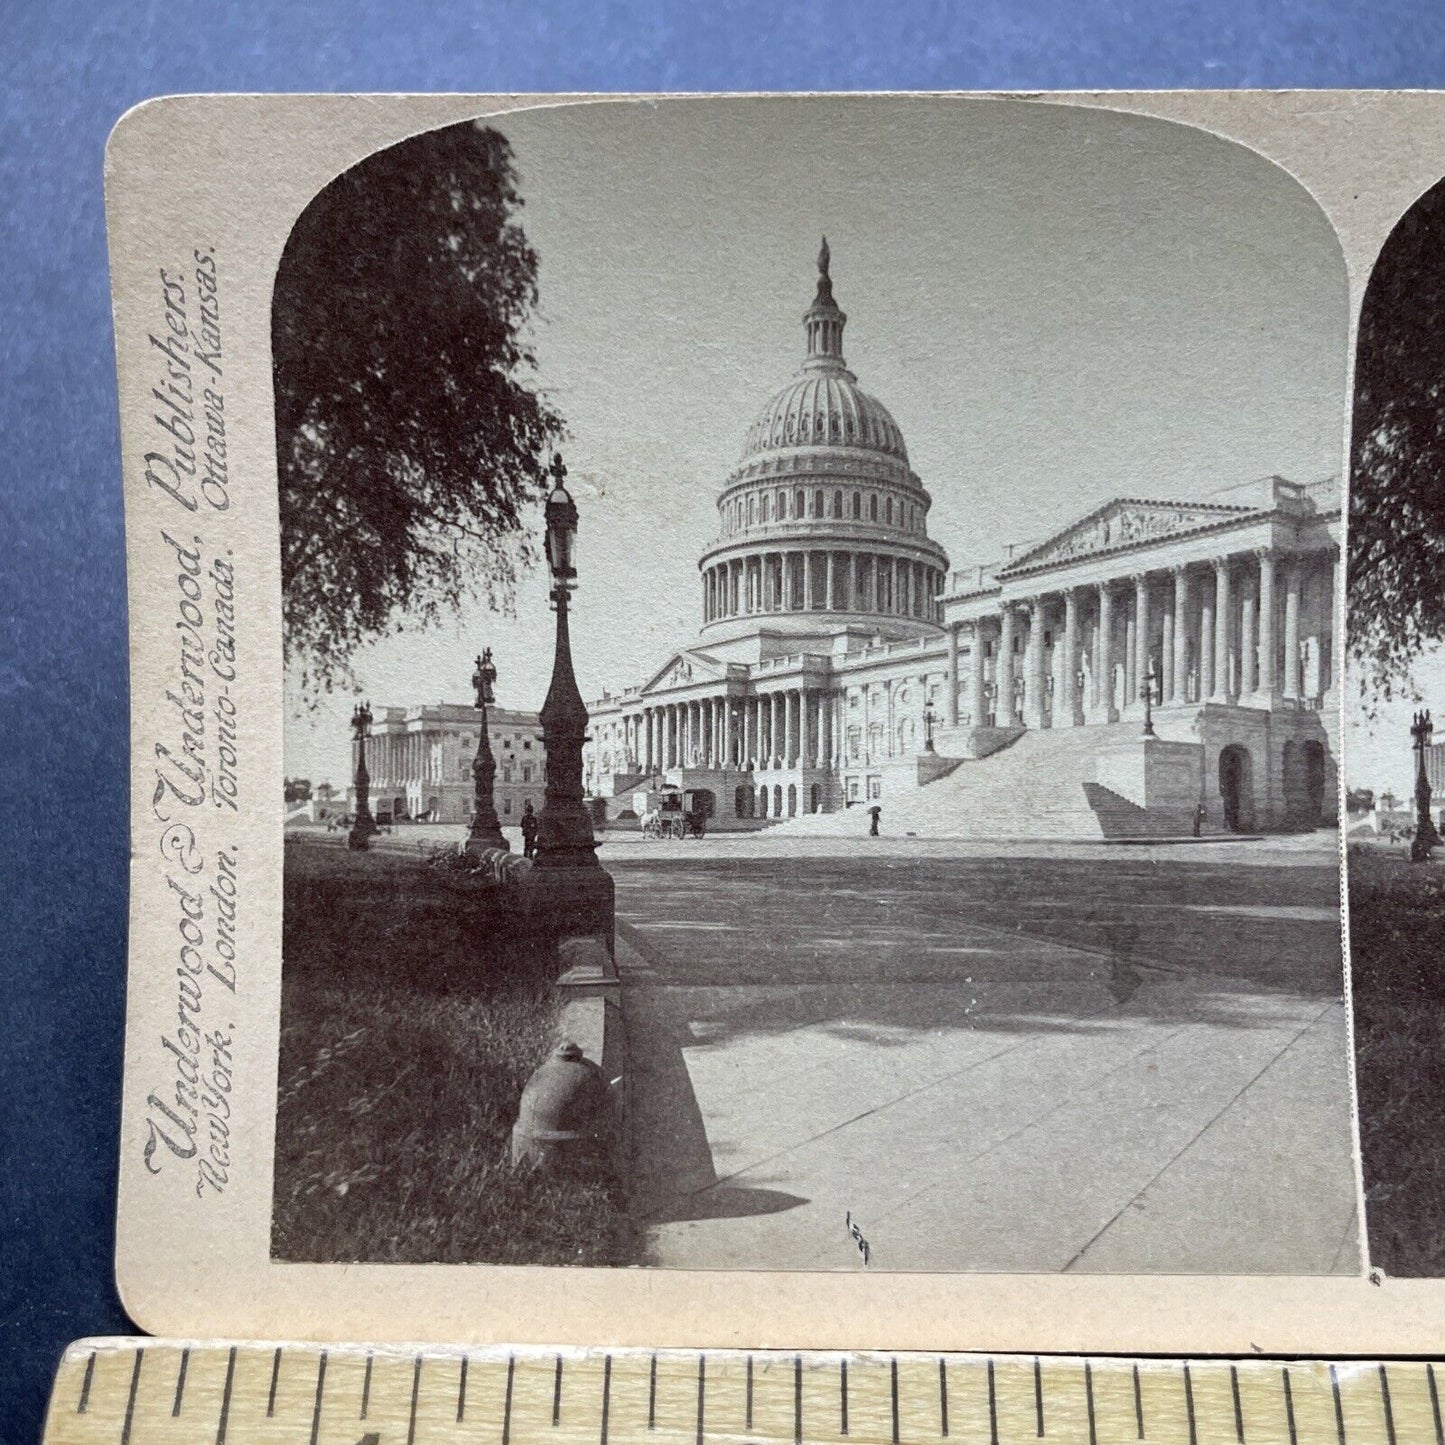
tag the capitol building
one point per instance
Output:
(841, 663)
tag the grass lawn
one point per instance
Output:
(1397, 952)
(410, 1021)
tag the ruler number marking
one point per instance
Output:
(181, 1382)
(798, 1401)
(606, 1396)
(701, 1394)
(83, 1404)
(226, 1397)
(415, 1392)
(316, 1409)
(130, 1400)
(507, 1403)
(992, 1408)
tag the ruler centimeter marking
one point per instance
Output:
(127, 1392)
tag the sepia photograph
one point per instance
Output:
(812, 729)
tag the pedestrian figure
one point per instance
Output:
(1198, 819)
(529, 831)
(874, 813)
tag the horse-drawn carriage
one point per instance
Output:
(675, 813)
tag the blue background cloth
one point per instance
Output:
(69, 71)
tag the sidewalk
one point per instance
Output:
(1028, 1108)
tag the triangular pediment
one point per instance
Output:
(684, 668)
(1124, 522)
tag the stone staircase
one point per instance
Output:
(1042, 785)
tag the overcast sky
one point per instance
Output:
(1058, 305)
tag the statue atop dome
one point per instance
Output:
(823, 322)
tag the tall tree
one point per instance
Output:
(1397, 472)
(409, 443)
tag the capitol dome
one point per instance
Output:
(822, 513)
(825, 408)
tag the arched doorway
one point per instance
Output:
(777, 800)
(815, 797)
(741, 799)
(792, 800)
(763, 801)
(1236, 788)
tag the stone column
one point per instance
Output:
(1142, 625)
(749, 745)
(1131, 658)
(824, 705)
(1248, 651)
(1291, 629)
(1206, 643)
(977, 703)
(807, 581)
(1266, 622)
(1073, 706)
(1003, 672)
(1034, 666)
(1104, 664)
(1166, 648)
(828, 602)
(1222, 609)
(950, 703)
(1179, 692)
(775, 758)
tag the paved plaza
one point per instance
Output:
(1044, 1057)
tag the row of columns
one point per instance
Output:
(1224, 649)
(818, 580)
(784, 728)
(396, 758)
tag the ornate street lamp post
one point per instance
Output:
(1146, 694)
(364, 825)
(1426, 838)
(486, 829)
(929, 719)
(580, 890)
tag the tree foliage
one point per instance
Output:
(1397, 473)
(409, 444)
